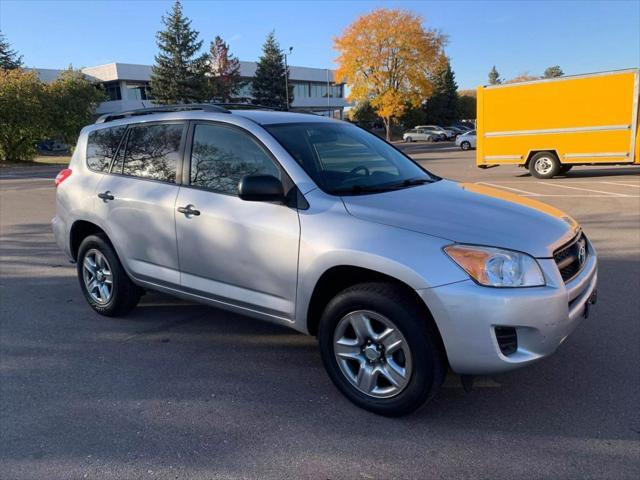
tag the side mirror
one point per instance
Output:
(261, 188)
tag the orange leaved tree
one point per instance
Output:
(388, 58)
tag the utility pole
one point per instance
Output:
(286, 76)
(328, 95)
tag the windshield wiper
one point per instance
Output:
(356, 189)
(415, 181)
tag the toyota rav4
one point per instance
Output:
(316, 224)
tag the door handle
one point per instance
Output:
(189, 210)
(106, 196)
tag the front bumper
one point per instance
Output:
(543, 317)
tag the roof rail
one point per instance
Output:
(205, 107)
(245, 106)
(252, 106)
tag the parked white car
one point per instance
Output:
(417, 134)
(467, 141)
(438, 130)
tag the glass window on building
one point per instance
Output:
(319, 90)
(138, 91)
(112, 91)
(301, 90)
(245, 91)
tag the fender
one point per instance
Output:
(340, 239)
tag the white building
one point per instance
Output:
(127, 87)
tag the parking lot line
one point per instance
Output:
(613, 194)
(529, 194)
(570, 180)
(622, 184)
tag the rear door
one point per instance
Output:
(423, 135)
(236, 252)
(136, 200)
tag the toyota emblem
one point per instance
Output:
(582, 252)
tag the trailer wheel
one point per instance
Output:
(544, 165)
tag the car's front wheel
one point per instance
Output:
(465, 145)
(380, 349)
(408, 140)
(104, 283)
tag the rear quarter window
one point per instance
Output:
(102, 146)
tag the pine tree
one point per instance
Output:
(553, 72)
(9, 59)
(494, 77)
(178, 74)
(268, 85)
(223, 69)
(442, 106)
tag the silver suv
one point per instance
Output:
(315, 224)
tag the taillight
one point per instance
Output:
(63, 175)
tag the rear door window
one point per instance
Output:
(153, 151)
(102, 146)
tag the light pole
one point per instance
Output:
(329, 112)
(286, 76)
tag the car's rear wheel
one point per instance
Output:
(104, 283)
(465, 145)
(380, 350)
(544, 165)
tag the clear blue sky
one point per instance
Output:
(516, 36)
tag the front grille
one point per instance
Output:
(571, 257)
(507, 339)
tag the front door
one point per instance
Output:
(232, 251)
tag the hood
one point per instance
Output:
(469, 213)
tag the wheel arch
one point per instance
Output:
(340, 277)
(81, 229)
(531, 153)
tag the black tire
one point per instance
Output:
(465, 145)
(564, 169)
(408, 140)
(544, 165)
(124, 293)
(420, 334)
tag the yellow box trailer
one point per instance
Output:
(550, 125)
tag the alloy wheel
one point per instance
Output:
(372, 353)
(97, 276)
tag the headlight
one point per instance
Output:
(495, 267)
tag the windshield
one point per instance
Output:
(344, 159)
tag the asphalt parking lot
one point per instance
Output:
(177, 390)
